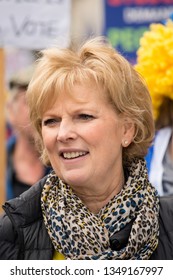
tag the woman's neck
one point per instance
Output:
(96, 200)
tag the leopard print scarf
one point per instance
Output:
(79, 234)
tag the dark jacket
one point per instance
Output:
(23, 235)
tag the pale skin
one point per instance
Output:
(84, 138)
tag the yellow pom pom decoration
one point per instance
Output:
(155, 62)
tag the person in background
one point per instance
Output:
(155, 64)
(93, 115)
(24, 167)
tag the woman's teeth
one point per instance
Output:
(73, 154)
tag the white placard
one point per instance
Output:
(34, 24)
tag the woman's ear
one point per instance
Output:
(128, 132)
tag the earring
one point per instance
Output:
(125, 142)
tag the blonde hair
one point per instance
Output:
(96, 61)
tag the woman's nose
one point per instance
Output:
(66, 131)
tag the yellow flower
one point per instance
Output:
(155, 62)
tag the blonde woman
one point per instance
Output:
(93, 116)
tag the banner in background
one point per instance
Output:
(126, 20)
(34, 24)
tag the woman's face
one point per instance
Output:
(83, 138)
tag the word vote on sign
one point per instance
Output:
(34, 24)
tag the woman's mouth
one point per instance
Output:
(72, 155)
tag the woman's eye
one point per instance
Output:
(85, 117)
(49, 122)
